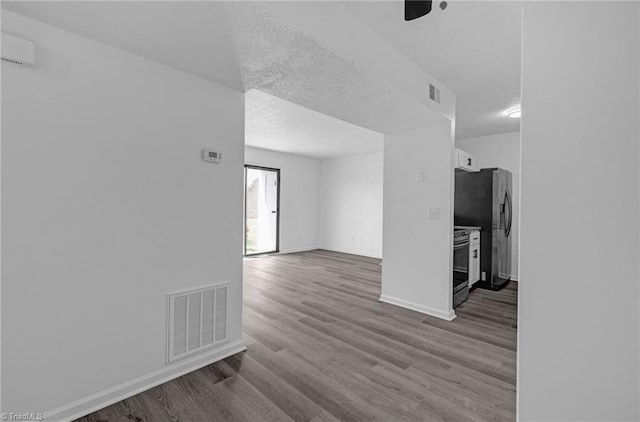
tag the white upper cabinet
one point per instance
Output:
(466, 161)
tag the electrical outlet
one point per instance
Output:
(434, 214)
(420, 176)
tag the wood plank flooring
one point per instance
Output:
(321, 348)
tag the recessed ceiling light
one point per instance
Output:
(514, 113)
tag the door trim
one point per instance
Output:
(244, 219)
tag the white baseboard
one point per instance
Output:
(305, 249)
(127, 389)
(352, 252)
(514, 277)
(438, 313)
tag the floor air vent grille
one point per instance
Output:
(197, 320)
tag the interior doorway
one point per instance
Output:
(261, 210)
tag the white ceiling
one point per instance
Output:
(244, 45)
(472, 48)
(279, 125)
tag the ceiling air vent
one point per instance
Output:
(197, 320)
(434, 93)
(17, 51)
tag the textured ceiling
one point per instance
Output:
(243, 45)
(285, 62)
(472, 47)
(279, 125)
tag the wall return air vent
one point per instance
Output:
(197, 320)
(434, 93)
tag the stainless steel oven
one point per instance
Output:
(461, 241)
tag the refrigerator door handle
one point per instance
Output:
(510, 205)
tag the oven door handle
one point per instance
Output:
(461, 245)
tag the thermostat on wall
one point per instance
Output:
(211, 155)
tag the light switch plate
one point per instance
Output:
(420, 176)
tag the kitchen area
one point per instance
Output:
(483, 227)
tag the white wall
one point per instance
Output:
(333, 204)
(299, 196)
(106, 207)
(502, 150)
(351, 204)
(578, 313)
(417, 251)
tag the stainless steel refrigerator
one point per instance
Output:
(484, 199)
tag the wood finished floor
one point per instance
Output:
(322, 348)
